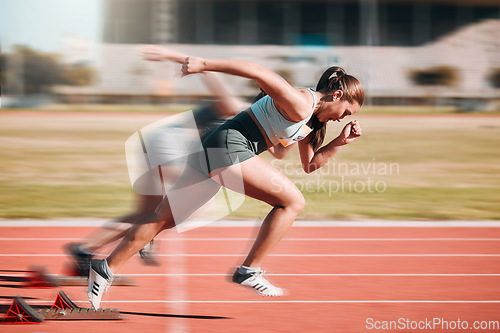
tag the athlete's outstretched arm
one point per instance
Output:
(159, 53)
(283, 94)
(312, 160)
(227, 104)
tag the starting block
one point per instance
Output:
(39, 278)
(63, 308)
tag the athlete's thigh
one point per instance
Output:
(260, 181)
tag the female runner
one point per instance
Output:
(207, 116)
(169, 153)
(230, 158)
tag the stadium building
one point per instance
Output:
(291, 22)
(382, 42)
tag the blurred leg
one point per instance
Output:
(115, 230)
(200, 190)
(145, 205)
(264, 182)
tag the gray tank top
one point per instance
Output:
(277, 127)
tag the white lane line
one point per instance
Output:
(84, 222)
(175, 268)
(332, 274)
(285, 239)
(294, 274)
(287, 255)
(349, 239)
(40, 239)
(320, 301)
(285, 302)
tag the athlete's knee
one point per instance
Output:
(299, 202)
(294, 201)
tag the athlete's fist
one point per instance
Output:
(351, 132)
(193, 65)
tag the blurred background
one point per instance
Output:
(74, 87)
(406, 52)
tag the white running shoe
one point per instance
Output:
(258, 283)
(98, 283)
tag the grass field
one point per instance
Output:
(406, 166)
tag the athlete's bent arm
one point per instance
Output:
(312, 160)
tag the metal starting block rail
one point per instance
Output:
(63, 308)
(39, 278)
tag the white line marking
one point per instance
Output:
(288, 239)
(40, 239)
(311, 301)
(348, 239)
(77, 222)
(285, 302)
(333, 274)
(174, 268)
(295, 274)
(289, 255)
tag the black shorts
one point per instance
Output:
(235, 141)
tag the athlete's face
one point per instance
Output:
(336, 109)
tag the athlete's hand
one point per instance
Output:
(158, 53)
(153, 52)
(351, 132)
(193, 65)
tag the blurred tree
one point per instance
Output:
(78, 75)
(9, 81)
(39, 70)
(494, 77)
(30, 72)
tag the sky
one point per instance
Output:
(42, 24)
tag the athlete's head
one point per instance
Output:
(343, 95)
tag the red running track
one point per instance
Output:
(338, 279)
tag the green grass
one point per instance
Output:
(73, 165)
(423, 110)
(174, 108)
(48, 201)
(108, 108)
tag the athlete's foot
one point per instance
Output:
(257, 282)
(148, 255)
(99, 281)
(82, 258)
